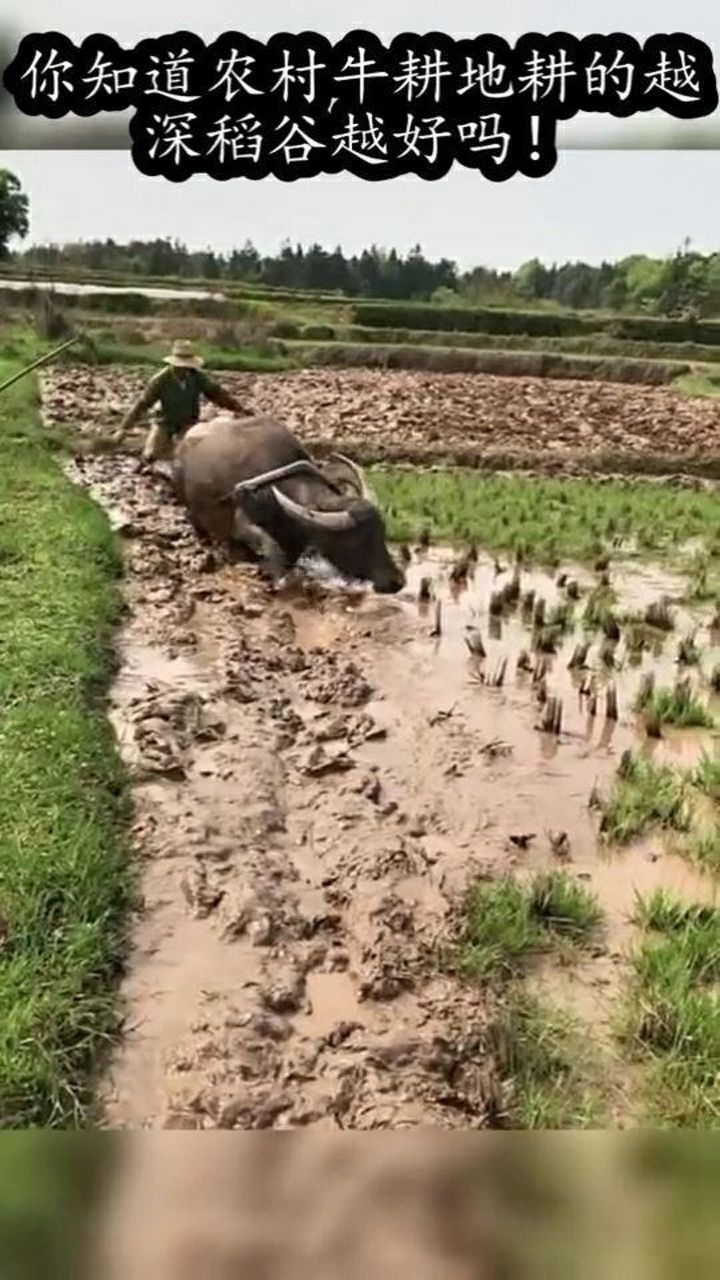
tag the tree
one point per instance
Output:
(14, 210)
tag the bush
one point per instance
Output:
(537, 323)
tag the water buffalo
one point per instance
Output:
(249, 481)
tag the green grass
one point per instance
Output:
(704, 848)
(543, 1056)
(506, 922)
(706, 776)
(704, 383)
(545, 518)
(246, 360)
(677, 706)
(672, 1014)
(64, 885)
(644, 795)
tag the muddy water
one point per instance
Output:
(317, 778)
(536, 784)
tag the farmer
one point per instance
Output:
(179, 388)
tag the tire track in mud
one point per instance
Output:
(282, 972)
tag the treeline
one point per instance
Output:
(374, 273)
(686, 283)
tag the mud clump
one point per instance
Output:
(422, 417)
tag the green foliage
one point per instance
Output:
(574, 519)
(644, 795)
(672, 1015)
(64, 885)
(506, 920)
(14, 210)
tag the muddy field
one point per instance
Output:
(426, 417)
(319, 776)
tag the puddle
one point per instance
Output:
(332, 1000)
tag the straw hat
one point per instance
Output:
(182, 356)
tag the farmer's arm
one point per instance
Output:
(213, 391)
(144, 402)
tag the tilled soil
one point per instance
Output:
(317, 779)
(423, 417)
(283, 970)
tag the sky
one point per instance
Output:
(596, 204)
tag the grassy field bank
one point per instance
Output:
(64, 884)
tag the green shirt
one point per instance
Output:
(179, 392)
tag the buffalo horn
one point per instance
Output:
(335, 521)
(365, 490)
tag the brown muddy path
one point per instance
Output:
(317, 778)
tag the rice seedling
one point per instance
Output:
(658, 615)
(506, 921)
(561, 617)
(704, 848)
(562, 519)
(547, 640)
(598, 611)
(671, 1017)
(678, 706)
(706, 776)
(553, 1080)
(644, 795)
(688, 652)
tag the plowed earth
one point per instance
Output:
(419, 417)
(317, 780)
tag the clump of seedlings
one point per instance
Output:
(511, 592)
(538, 617)
(676, 706)
(659, 615)
(688, 652)
(671, 1015)
(497, 604)
(465, 565)
(611, 702)
(507, 921)
(578, 661)
(700, 578)
(635, 641)
(607, 653)
(542, 666)
(561, 617)
(474, 642)
(610, 627)
(524, 662)
(644, 795)
(706, 776)
(528, 605)
(551, 720)
(497, 680)
(546, 640)
(599, 607)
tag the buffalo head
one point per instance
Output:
(351, 536)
